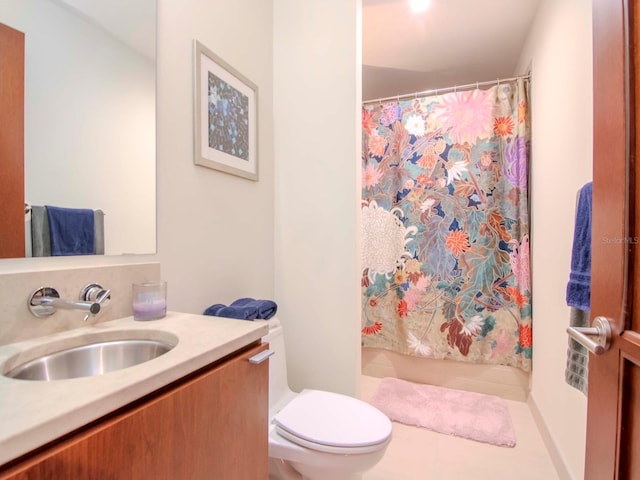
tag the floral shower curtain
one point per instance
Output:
(446, 226)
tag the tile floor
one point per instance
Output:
(419, 454)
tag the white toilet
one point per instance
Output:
(318, 435)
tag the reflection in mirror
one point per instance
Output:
(89, 113)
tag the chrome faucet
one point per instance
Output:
(44, 301)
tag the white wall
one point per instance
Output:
(215, 230)
(89, 122)
(559, 52)
(317, 146)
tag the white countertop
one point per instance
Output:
(33, 413)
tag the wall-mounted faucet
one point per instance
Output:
(44, 301)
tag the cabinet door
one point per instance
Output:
(213, 426)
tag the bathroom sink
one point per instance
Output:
(89, 357)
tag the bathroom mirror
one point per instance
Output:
(89, 108)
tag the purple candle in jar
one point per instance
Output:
(149, 300)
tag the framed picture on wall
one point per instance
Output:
(226, 121)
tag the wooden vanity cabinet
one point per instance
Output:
(211, 425)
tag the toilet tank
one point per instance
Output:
(279, 392)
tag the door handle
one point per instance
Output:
(601, 333)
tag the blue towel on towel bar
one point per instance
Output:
(244, 309)
(579, 285)
(71, 231)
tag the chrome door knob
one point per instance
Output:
(596, 339)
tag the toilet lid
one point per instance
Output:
(333, 420)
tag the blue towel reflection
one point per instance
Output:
(71, 231)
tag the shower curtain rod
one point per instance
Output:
(447, 89)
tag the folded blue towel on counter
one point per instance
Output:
(266, 308)
(579, 285)
(241, 313)
(71, 231)
(244, 309)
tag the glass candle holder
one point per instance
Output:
(149, 300)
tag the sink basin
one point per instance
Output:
(91, 357)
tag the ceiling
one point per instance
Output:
(453, 42)
(133, 23)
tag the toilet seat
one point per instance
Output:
(333, 423)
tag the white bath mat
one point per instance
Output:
(484, 418)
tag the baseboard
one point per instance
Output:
(552, 448)
(506, 382)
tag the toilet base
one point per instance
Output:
(283, 470)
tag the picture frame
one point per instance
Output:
(226, 116)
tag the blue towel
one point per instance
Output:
(266, 308)
(71, 231)
(244, 309)
(241, 313)
(579, 285)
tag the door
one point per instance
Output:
(613, 431)
(11, 143)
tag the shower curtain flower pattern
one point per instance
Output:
(446, 226)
